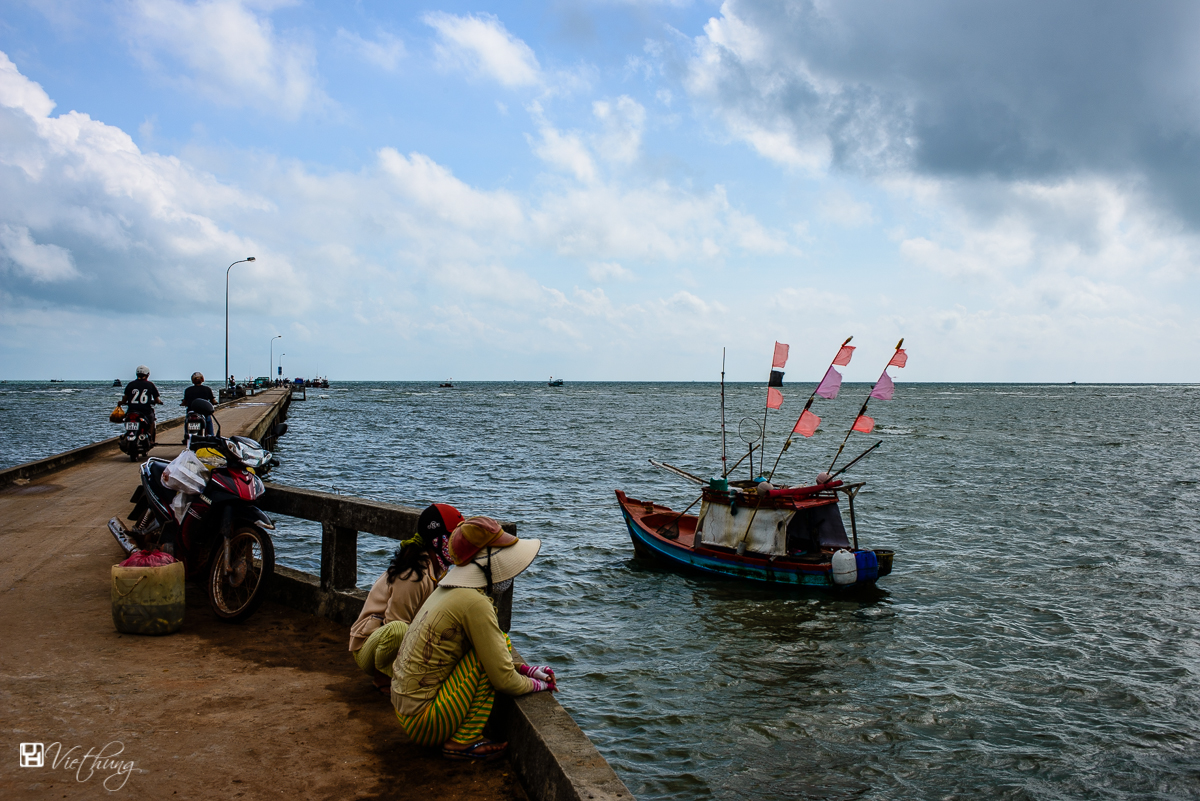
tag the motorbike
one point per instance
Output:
(138, 437)
(195, 423)
(220, 536)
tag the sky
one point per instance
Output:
(600, 189)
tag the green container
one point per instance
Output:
(718, 484)
(148, 600)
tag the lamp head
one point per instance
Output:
(249, 258)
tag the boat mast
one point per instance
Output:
(724, 471)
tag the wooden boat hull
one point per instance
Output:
(680, 549)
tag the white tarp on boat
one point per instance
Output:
(768, 532)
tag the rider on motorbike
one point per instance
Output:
(141, 396)
(198, 391)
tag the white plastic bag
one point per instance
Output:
(185, 473)
(180, 505)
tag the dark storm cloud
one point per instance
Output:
(1012, 90)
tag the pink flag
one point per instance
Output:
(807, 424)
(843, 357)
(884, 388)
(781, 354)
(900, 359)
(864, 424)
(774, 398)
(830, 384)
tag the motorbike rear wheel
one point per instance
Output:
(237, 589)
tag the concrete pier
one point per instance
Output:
(271, 708)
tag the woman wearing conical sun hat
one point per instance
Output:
(455, 657)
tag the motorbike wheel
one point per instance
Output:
(235, 593)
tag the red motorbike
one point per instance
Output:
(218, 533)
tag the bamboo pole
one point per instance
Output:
(787, 443)
(861, 412)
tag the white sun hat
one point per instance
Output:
(504, 563)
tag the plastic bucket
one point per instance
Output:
(885, 560)
(867, 564)
(148, 600)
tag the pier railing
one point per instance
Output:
(334, 593)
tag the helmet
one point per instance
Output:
(142, 371)
(197, 377)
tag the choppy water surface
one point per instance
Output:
(1038, 638)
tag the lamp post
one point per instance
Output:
(227, 269)
(271, 378)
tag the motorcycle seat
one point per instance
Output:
(164, 494)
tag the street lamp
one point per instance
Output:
(271, 378)
(227, 269)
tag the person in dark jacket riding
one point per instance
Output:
(198, 391)
(141, 396)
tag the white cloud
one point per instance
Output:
(386, 52)
(840, 208)
(227, 52)
(434, 187)
(38, 262)
(608, 271)
(482, 45)
(623, 122)
(565, 151)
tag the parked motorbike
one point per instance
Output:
(221, 536)
(138, 438)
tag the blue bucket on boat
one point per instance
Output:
(868, 565)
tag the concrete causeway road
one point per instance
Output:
(271, 708)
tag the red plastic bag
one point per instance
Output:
(148, 559)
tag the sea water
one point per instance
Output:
(1038, 637)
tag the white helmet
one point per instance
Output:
(142, 371)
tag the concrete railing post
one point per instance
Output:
(339, 557)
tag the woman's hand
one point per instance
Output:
(542, 677)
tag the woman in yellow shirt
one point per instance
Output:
(455, 657)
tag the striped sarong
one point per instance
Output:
(459, 710)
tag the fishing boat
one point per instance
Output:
(789, 536)
(555, 382)
(116, 382)
(446, 384)
(763, 531)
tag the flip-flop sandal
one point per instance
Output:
(471, 754)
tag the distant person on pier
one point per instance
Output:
(197, 391)
(141, 396)
(455, 656)
(397, 595)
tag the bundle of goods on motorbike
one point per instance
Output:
(758, 528)
(199, 508)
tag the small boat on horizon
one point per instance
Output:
(116, 382)
(447, 384)
(555, 382)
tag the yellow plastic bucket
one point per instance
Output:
(148, 600)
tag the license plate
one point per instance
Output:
(131, 426)
(194, 427)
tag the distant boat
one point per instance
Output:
(447, 384)
(56, 381)
(116, 382)
(555, 382)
